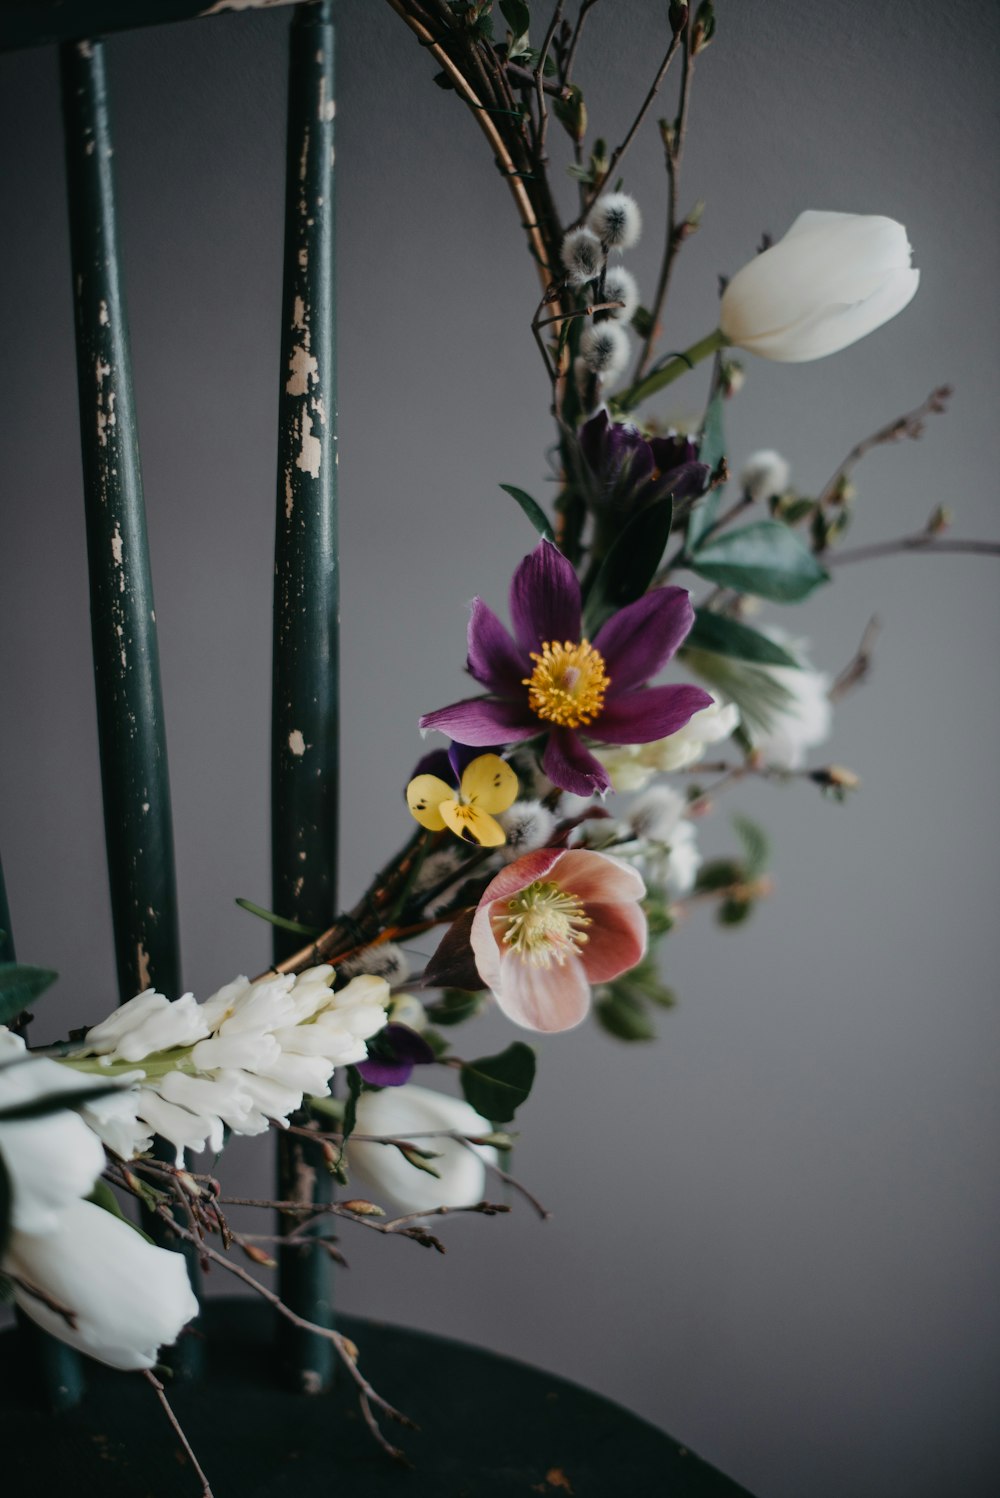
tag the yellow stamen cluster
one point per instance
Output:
(568, 684)
(543, 923)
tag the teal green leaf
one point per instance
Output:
(756, 846)
(711, 450)
(532, 509)
(724, 636)
(765, 558)
(20, 985)
(278, 920)
(760, 698)
(630, 565)
(624, 1016)
(496, 1086)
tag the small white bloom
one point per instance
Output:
(399, 1113)
(51, 1161)
(604, 348)
(384, 960)
(244, 1052)
(834, 278)
(127, 1297)
(406, 1009)
(666, 850)
(764, 475)
(148, 1023)
(806, 717)
(184, 1129)
(633, 766)
(115, 1121)
(582, 255)
(528, 825)
(615, 220)
(656, 813)
(621, 286)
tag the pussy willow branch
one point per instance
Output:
(161, 1395)
(674, 151)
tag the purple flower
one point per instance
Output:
(392, 1055)
(548, 679)
(631, 471)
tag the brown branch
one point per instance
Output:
(587, 5)
(619, 151)
(859, 666)
(911, 425)
(542, 111)
(161, 1395)
(924, 541)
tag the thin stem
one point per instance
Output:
(540, 105)
(911, 425)
(660, 378)
(674, 150)
(567, 70)
(619, 151)
(161, 1395)
(923, 541)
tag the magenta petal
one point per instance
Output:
(650, 714)
(484, 721)
(638, 641)
(543, 998)
(494, 659)
(545, 598)
(616, 940)
(572, 767)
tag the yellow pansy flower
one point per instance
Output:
(488, 785)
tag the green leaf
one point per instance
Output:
(711, 450)
(102, 1196)
(517, 15)
(20, 985)
(454, 1006)
(55, 1102)
(721, 873)
(278, 920)
(496, 1086)
(724, 636)
(759, 697)
(756, 845)
(630, 565)
(734, 912)
(624, 1017)
(354, 1086)
(532, 509)
(765, 558)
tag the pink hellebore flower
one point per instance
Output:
(550, 925)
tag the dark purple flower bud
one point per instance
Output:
(392, 1055)
(631, 471)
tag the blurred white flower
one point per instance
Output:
(632, 766)
(833, 278)
(621, 286)
(400, 1113)
(51, 1161)
(248, 1055)
(528, 825)
(765, 474)
(127, 1298)
(667, 851)
(805, 718)
(616, 220)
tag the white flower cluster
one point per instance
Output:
(633, 766)
(123, 1297)
(654, 836)
(613, 223)
(246, 1056)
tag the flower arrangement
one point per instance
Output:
(556, 838)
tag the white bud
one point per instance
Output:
(604, 349)
(621, 286)
(385, 960)
(765, 473)
(528, 825)
(582, 255)
(616, 220)
(656, 813)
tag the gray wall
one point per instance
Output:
(775, 1229)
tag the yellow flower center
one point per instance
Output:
(543, 923)
(568, 683)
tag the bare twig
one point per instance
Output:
(911, 425)
(924, 541)
(620, 150)
(508, 1180)
(570, 58)
(540, 105)
(161, 1395)
(859, 666)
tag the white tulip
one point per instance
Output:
(401, 1112)
(832, 279)
(128, 1298)
(51, 1161)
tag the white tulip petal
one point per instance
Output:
(401, 1112)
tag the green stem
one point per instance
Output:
(677, 366)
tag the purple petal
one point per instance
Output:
(382, 1073)
(572, 767)
(640, 639)
(494, 659)
(687, 481)
(652, 713)
(545, 598)
(484, 721)
(436, 763)
(397, 1050)
(671, 452)
(460, 757)
(593, 438)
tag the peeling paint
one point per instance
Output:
(327, 107)
(310, 455)
(143, 957)
(299, 316)
(85, 49)
(296, 742)
(102, 314)
(101, 370)
(289, 494)
(297, 886)
(116, 546)
(303, 370)
(304, 257)
(304, 158)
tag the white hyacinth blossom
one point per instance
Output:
(244, 1058)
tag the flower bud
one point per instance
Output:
(764, 475)
(616, 220)
(621, 286)
(604, 349)
(528, 825)
(582, 255)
